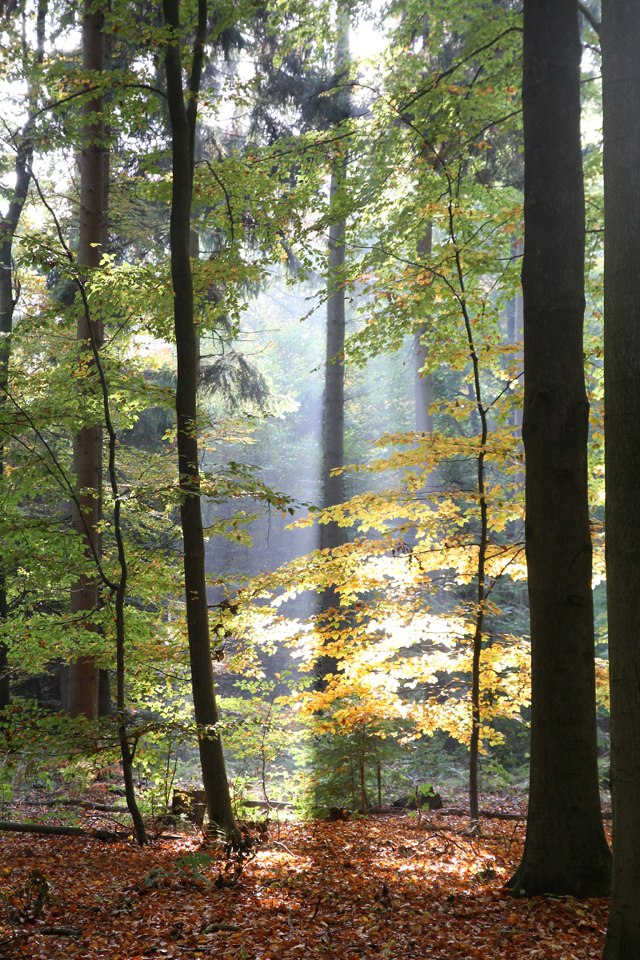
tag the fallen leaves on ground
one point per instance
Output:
(390, 887)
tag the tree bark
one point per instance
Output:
(621, 82)
(183, 121)
(423, 382)
(8, 228)
(565, 852)
(331, 534)
(481, 579)
(87, 443)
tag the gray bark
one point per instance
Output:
(621, 104)
(423, 382)
(565, 852)
(333, 403)
(333, 492)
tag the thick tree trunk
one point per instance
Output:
(621, 76)
(183, 120)
(565, 852)
(87, 443)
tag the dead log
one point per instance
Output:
(53, 829)
(497, 814)
(84, 804)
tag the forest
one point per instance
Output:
(319, 606)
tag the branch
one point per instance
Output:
(226, 197)
(11, 827)
(434, 81)
(589, 16)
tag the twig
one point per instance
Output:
(315, 912)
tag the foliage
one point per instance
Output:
(433, 146)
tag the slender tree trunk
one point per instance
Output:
(423, 382)
(331, 534)
(6, 325)
(105, 702)
(8, 227)
(87, 443)
(565, 852)
(481, 586)
(515, 326)
(362, 760)
(118, 588)
(621, 76)
(183, 121)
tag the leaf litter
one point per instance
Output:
(393, 887)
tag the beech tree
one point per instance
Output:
(87, 442)
(8, 295)
(333, 419)
(565, 852)
(621, 109)
(183, 106)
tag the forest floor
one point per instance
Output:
(396, 886)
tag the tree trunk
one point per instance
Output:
(621, 76)
(87, 443)
(423, 382)
(8, 227)
(480, 415)
(183, 121)
(565, 852)
(515, 324)
(331, 534)
(6, 326)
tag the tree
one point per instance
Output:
(87, 442)
(8, 298)
(565, 852)
(621, 109)
(423, 390)
(332, 534)
(183, 117)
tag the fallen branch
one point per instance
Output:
(107, 835)
(270, 804)
(484, 814)
(85, 804)
(496, 814)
